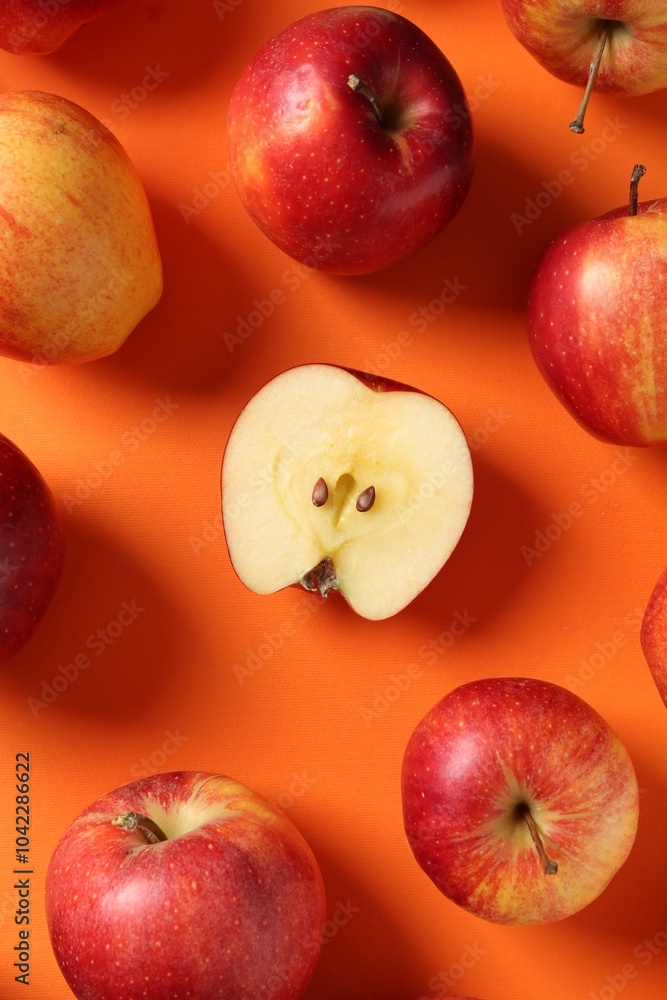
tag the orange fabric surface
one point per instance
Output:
(300, 699)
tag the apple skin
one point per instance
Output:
(79, 265)
(32, 548)
(231, 902)
(491, 748)
(563, 38)
(314, 167)
(597, 323)
(653, 635)
(33, 27)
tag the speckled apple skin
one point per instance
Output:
(494, 743)
(32, 548)
(563, 35)
(597, 323)
(79, 260)
(311, 163)
(653, 635)
(233, 909)
(31, 27)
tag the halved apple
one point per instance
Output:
(337, 479)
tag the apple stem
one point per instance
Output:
(637, 174)
(146, 826)
(578, 124)
(320, 493)
(550, 867)
(322, 577)
(356, 84)
(366, 499)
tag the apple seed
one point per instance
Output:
(320, 493)
(366, 499)
(135, 821)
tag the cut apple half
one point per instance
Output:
(337, 479)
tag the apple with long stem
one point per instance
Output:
(32, 548)
(653, 635)
(187, 885)
(37, 27)
(597, 320)
(79, 261)
(519, 800)
(350, 139)
(337, 479)
(614, 48)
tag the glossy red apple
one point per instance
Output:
(186, 885)
(520, 802)
(618, 47)
(653, 635)
(597, 321)
(32, 548)
(40, 26)
(337, 479)
(350, 139)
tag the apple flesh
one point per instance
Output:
(653, 635)
(597, 322)
(36, 27)
(615, 48)
(519, 801)
(337, 479)
(185, 885)
(350, 139)
(79, 262)
(32, 548)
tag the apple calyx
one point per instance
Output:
(523, 812)
(322, 577)
(136, 821)
(638, 172)
(578, 124)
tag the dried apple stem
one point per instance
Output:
(136, 821)
(578, 124)
(356, 84)
(637, 174)
(550, 867)
(322, 577)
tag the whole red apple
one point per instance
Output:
(341, 480)
(186, 885)
(520, 802)
(653, 635)
(32, 548)
(618, 47)
(40, 26)
(597, 321)
(350, 139)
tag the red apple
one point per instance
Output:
(40, 26)
(337, 479)
(653, 635)
(618, 47)
(520, 802)
(32, 548)
(186, 885)
(597, 321)
(350, 139)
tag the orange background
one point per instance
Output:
(320, 726)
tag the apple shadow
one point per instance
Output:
(486, 567)
(110, 640)
(180, 343)
(183, 39)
